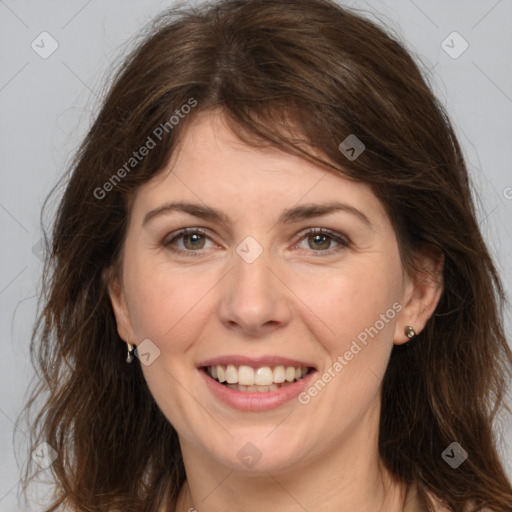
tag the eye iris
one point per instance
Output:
(325, 238)
(195, 237)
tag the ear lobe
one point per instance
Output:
(424, 290)
(118, 301)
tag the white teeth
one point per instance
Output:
(246, 375)
(290, 373)
(279, 374)
(265, 378)
(231, 374)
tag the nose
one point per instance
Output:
(255, 298)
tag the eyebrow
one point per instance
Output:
(290, 216)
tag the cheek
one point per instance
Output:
(360, 309)
(354, 303)
(165, 303)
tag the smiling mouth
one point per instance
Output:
(248, 379)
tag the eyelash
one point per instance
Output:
(341, 240)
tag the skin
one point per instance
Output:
(293, 301)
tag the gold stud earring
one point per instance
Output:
(129, 357)
(409, 331)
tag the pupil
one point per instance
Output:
(194, 238)
(317, 239)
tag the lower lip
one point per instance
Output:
(256, 401)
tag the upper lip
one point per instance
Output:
(255, 362)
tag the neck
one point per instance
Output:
(279, 494)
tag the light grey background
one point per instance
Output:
(46, 106)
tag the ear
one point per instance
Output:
(118, 300)
(422, 292)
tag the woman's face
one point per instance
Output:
(258, 297)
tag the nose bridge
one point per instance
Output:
(251, 270)
(253, 296)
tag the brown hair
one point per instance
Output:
(271, 65)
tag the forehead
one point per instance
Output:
(212, 165)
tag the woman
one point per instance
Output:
(267, 286)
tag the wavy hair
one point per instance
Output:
(299, 75)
